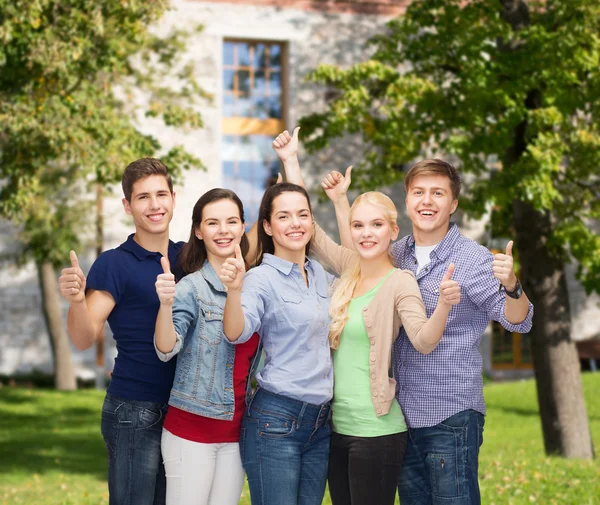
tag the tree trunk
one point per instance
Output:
(558, 379)
(64, 373)
(557, 372)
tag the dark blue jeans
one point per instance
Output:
(284, 444)
(441, 462)
(132, 431)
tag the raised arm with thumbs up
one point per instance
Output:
(164, 331)
(517, 303)
(231, 275)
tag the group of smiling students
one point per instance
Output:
(326, 404)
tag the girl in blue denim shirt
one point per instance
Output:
(200, 441)
(285, 432)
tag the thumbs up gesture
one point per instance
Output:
(449, 289)
(72, 281)
(336, 185)
(286, 145)
(503, 267)
(165, 283)
(233, 271)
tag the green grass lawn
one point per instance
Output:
(52, 453)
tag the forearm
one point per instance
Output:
(342, 214)
(291, 167)
(515, 311)
(433, 329)
(164, 331)
(80, 327)
(233, 316)
(252, 244)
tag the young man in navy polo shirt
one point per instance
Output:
(120, 289)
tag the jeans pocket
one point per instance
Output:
(271, 427)
(149, 417)
(444, 474)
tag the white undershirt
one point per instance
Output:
(422, 253)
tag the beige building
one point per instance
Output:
(252, 56)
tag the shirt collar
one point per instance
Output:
(444, 248)
(208, 272)
(138, 251)
(284, 266)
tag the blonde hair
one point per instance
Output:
(344, 288)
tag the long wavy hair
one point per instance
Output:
(265, 242)
(344, 288)
(193, 254)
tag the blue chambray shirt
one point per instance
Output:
(293, 323)
(433, 387)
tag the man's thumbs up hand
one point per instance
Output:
(165, 283)
(503, 268)
(72, 281)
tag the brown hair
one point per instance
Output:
(434, 166)
(265, 241)
(193, 254)
(140, 169)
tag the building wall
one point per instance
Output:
(315, 31)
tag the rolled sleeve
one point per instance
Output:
(167, 356)
(485, 291)
(185, 313)
(254, 293)
(498, 315)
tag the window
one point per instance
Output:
(253, 113)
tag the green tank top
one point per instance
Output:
(352, 408)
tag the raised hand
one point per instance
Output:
(503, 268)
(233, 271)
(336, 185)
(286, 145)
(72, 281)
(165, 283)
(449, 289)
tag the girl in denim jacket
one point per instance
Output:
(200, 441)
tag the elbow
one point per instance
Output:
(231, 337)
(82, 345)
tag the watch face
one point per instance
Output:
(517, 292)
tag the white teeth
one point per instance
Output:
(295, 234)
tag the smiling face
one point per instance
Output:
(371, 230)
(291, 224)
(151, 205)
(221, 228)
(429, 204)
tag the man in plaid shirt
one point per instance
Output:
(441, 393)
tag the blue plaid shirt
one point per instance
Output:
(433, 387)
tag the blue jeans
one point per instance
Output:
(441, 462)
(284, 444)
(132, 430)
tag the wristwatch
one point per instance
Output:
(515, 293)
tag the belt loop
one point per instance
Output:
(301, 413)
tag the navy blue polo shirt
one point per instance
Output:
(128, 273)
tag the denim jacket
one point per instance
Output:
(204, 376)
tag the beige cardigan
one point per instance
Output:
(397, 303)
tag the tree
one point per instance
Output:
(510, 82)
(76, 79)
